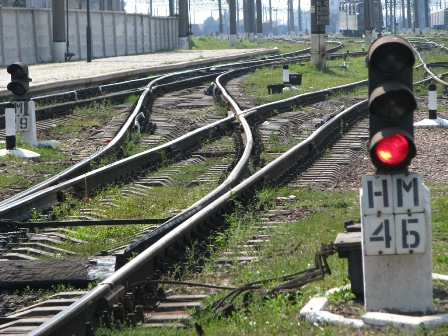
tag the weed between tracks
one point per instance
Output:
(292, 246)
(318, 217)
(290, 249)
(116, 203)
(18, 173)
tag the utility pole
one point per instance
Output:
(409, 17)
(89, 34)
(416, 18)
(259, 22)
(367, 25)
(270, 16)
(183, 24)
(291, 18)
(251, 19)
(59, 39)
(319, 18)
(427, 26)
(220, 17)
(276, 22)
(232, 17)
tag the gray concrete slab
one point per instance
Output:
(314, 311)
(20, 152)
(432, 123)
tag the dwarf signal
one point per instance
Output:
(20, 80)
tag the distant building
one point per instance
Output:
(333, 27)
(100, 5)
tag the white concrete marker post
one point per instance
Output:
(286, 74)
(432, 121)
(10, 127)
(432, 101)
(13, 121)
(396, 244)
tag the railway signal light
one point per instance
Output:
(19, 84)
(391, 104)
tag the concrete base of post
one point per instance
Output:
(318, 50)
(10, 142)
(315, 311)
(252, 37)
(431, 123)
(432, 114)
(23, 153)
(48, 144)
(59, 51)
(183, 43)
(367, 38)
(401, 283)
(233, 39)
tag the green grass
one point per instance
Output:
(162, 202)
(313, 79)
(291, 249)
(95, 116)
(293, 245)
(439, 211)
(18, 172)
(213, 43)
(22, 173)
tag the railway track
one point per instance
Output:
(162, 258)
(156, 250)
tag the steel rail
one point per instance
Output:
(115, 285)
(234, 176)
(142, 266)
(428, 71)
(131, 271)
(153, 88)
(232, 179)
(43, 199)
(83, 166)
(17, 210)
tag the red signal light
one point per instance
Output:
(393, 149)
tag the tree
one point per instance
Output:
(211, 25)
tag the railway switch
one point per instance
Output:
(391, 104)
(20, 80)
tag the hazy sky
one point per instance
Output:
(202, 9)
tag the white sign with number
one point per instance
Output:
(410, 233)
(393, 214)
(380, 235)
(26, 120)
(22, 115)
